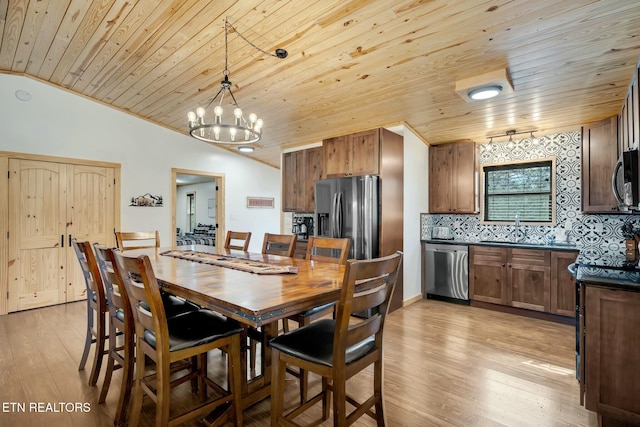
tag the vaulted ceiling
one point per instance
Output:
(352, 65)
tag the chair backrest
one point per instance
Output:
(116, 292)
(328, 249)
(279, 244)
(139, 280)
(237, 240)
(90, 271)
(367, 286)
(128, 240)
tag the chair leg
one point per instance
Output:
(252, 354)
(137, 387)
(278, 370)
(304, 375)
(108, 374)
(194, 368)
(339, 402)
(88, 338)
(202, 374)
(99, 350)
(127, 382)
(326, 401)
(378, 374)
(163, 384)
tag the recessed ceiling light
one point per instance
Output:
(23, 95)
(485, 92)
(246, 149)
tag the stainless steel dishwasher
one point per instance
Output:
(445, 271)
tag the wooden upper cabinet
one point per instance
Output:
(300, 170)
(452, 178)
(352, 155)
(599, 157)
(314, 162)
(629, 118)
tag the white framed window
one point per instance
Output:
(526, 189)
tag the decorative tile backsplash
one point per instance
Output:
(594, 235)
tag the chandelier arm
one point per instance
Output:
(214, 98)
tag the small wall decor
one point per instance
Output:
(147, 200)
(260, 202)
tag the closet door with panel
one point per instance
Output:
(49, 204)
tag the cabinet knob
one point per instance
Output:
(503, 265)
(509, 265)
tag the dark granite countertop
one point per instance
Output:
(504, 245)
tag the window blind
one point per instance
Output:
(519, 189)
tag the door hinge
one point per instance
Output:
(216, 188)
(7, 234)
(114, 181)
(7, 294)
(9, 174)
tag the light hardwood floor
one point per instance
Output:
(445, 365)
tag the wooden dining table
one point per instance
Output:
(253, 299)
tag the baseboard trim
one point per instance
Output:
(411, 300)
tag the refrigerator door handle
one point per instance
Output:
(339, 215)
(332, 216)
(367, 217)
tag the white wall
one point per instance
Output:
(416, 200)
(204, 192)
(58, 123)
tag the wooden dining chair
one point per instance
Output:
(337, 349)
(96, 309)
(279, 244)
(129, 240)
(166, 340)
(273, 244)
(121, 320)
(322, 249)
(237, 240)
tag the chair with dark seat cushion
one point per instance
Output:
(337, 349)
(166, 340)
(238, 240)
(129, 240)
(96, 309)
(322, 249)
(273, 244)
(121, 320)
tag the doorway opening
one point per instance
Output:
(197, 199)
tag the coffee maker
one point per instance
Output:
(302, 227)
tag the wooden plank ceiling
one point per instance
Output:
(352, 65)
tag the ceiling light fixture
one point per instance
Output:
(510, 134)
(246, 149)
(236, 129)
(485, 92)
(485, 86)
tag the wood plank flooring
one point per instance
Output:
(445, 365)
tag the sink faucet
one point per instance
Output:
(516, 223)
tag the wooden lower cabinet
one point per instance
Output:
(488, 274)
(522, 278)
(563, 284)
(612, 353)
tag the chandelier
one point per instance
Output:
(234, 128)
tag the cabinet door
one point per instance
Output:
(90, 216)
(623, 126)
(300, 184)
(464, 178)
(37, 230)
(366, 153)
(440, 174)
(529, 279)
(563, 284)
(635, 112)
(314, 162)
(612, 352)
(488, 274)
(599, 157)
(337, 156)
(288, 182)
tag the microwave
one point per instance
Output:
(625, 181)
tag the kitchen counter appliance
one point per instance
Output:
(445, 272)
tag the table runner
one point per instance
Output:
(237, 263)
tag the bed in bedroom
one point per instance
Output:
(203, 234)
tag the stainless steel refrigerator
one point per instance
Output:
(348, 207)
